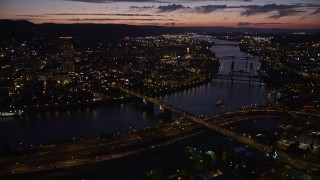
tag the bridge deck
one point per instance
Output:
(238, 77)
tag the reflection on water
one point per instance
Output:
(57, 126)
(203, 99)
(243, 65)
(227, 50)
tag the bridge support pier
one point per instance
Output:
(165, 115)
(147, 106)
(144, 105)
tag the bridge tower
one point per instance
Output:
(164, 114)
(251, 72)
(144, 105)
(232, 71)
(232, 67)
(246, 64)
(251, 69)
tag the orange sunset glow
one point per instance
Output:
(232, 13)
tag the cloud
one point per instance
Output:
(256, 9)
(171, 7)
(247, 10)
(170, 24)
(208, 8)
(28, 15)
(215, 0)
(118, 19)
(241, 24)
(141, 7)
(161, 9)
(280, 10)
(153, 1)
(110, 1)
(151, 24)
(244, 24)
(176, 7)
(281, 14)
(102, 14)
(315, 12)
(89, 1)
(257, 24)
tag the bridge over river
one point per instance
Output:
(290, 160)
(233, 68)
(58, 157)
(231, 77)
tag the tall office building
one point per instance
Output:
(67, 54)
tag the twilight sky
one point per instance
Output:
(301, 14)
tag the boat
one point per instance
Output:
(11, 113)
(220, 103)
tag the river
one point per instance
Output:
(202, 100)
(59, 126)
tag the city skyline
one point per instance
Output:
(291, 14)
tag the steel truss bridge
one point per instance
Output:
(250, 78)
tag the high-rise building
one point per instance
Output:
(67, 54)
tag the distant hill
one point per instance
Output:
(110, 31)
(16, 29)
(23, 29)
(254, 30)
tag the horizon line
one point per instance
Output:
(168, 26)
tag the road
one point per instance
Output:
(82, 152)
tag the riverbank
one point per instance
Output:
(181, 87)
(81, 105)
(120, 99)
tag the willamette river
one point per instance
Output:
(51, 127)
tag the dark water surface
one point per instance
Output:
(58, 126)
